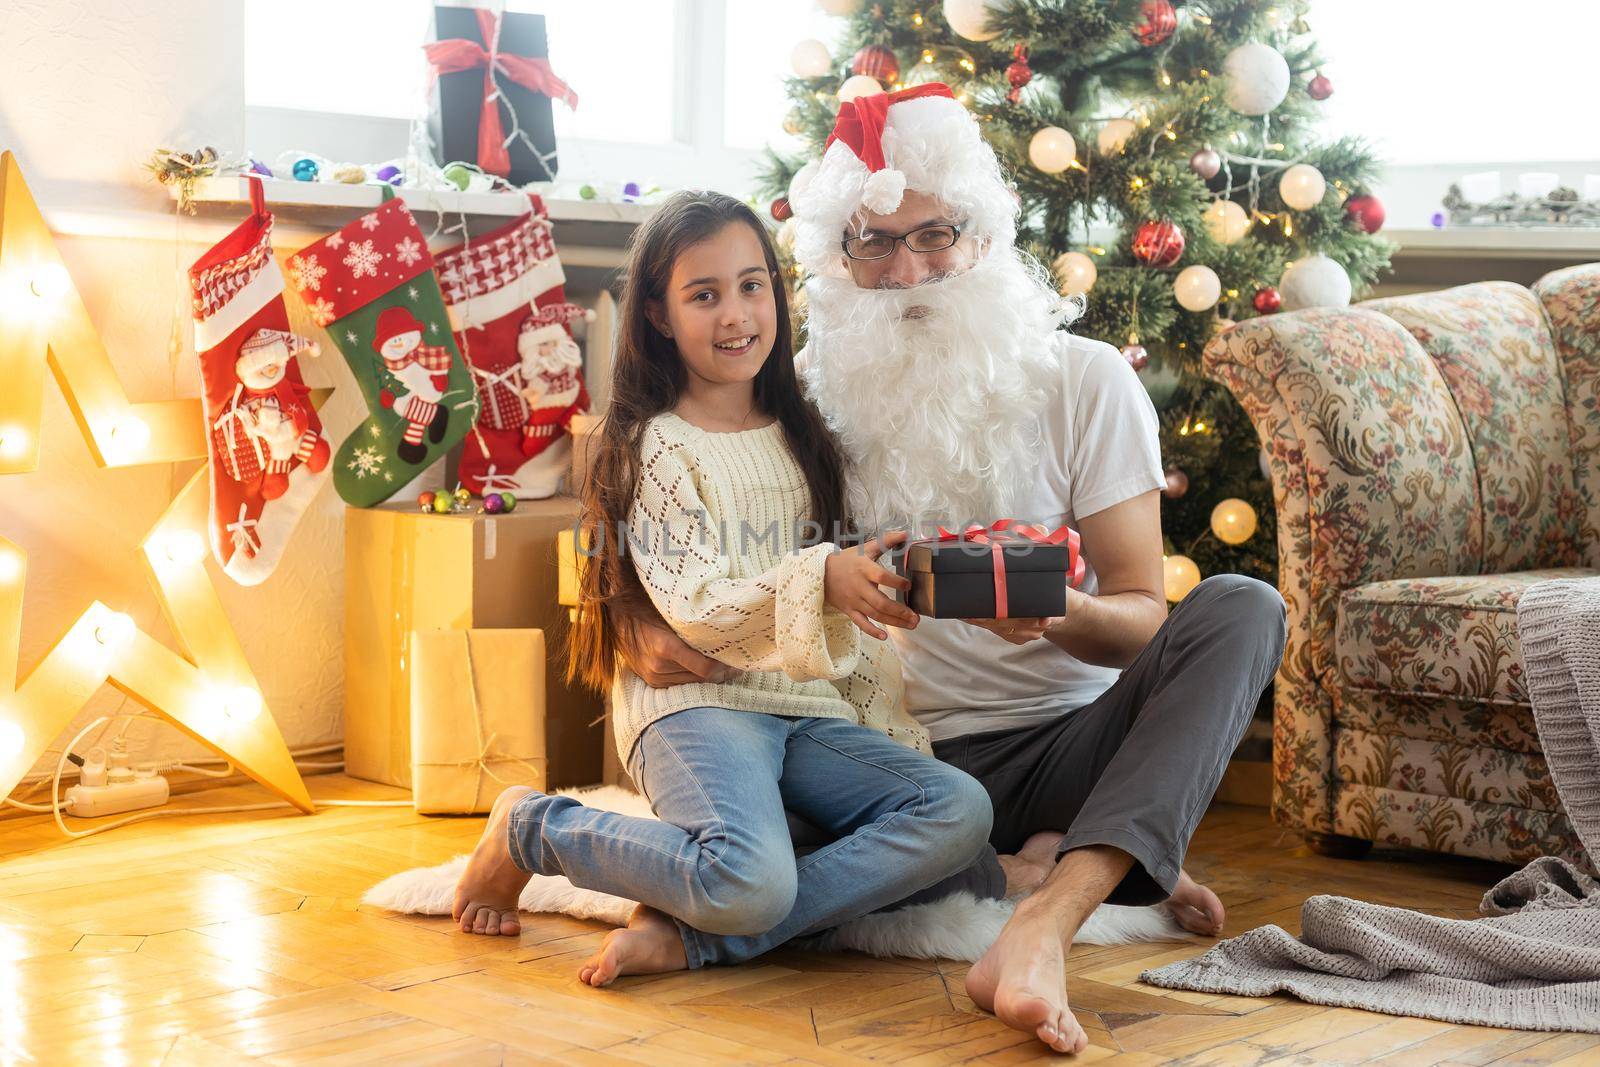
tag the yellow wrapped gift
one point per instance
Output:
(477, 717)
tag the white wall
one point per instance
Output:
(87, 91)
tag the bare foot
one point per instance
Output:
(1023, 980)
(649, 944)
(1196, 908)
(1032, 864)
(486, 896)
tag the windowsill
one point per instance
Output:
(1506, 242)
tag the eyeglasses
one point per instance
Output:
(934, 238)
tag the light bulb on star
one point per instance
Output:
(10, 566)
(1114, 135)
(1075, 273)
(1226, 222)
(1052, 150)
(13, 442)
(130, 434)
(50, 282)
(1302, 187)
(810, 59)
(1233, 521)
(242, 704)
(114, 630)
(183, 547)
(859, 85)
(11, 739)
(1197, 287)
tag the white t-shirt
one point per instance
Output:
(1100, 446)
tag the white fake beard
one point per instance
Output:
(935, 391)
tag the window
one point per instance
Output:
(761, 34)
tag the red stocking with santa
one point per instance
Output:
(268, 454)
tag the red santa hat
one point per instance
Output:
(393, 321)
(920, 138)
(549, 323)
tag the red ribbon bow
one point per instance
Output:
(458, 54)
(1010, 531)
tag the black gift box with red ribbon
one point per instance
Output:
(1005, 571)
(458, 98)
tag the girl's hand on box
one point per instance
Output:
(850, 584)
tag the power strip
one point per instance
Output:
(131, 794)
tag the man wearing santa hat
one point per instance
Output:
(423, 371)
(938, 354)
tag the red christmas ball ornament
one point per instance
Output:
(1365, 211)
(1159, 22)
(1177, 484)
(1018, 73)
(780, 208)
(1136, 355)
(1267, 300)
(425, 501)
(1320, 87)
(876, 61)
(1158, 243)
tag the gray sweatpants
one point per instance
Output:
(1135, 768)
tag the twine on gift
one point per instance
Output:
(485, 741)
(243, 532)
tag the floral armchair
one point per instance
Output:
(1432, 457)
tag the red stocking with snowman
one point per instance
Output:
(268, 454)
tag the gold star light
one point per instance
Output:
(208, 692)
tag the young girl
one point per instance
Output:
(718, 474)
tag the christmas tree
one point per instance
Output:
(1169, 169)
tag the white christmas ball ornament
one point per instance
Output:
(1258, 78)
(970, 18)
(810, 59)
(1302, 186)
(1075, 273)
(1052, 150)
(1179, 577)
(1226, 222)
(1197, 288)
(1314, 282)
(859, 85)
(1233, 521)
(1113, 135)
(839, 7)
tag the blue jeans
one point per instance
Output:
(720, 860)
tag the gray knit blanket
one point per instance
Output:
(1533, 961)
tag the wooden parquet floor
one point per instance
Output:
(237, 939)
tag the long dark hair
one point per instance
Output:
(648, 375)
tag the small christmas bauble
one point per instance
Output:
(1206, 163)
(1197, 287)
(1136, 355)
(1157, 22)
(1315, 281)
(460, 176)
(1233, 521)
(508, 502)
(492, 504)
(585, 192)
(1226, 222)
(463, 496)
(1320, 87)
(1437, 220)
(1302, 187)
(390, 173)
(443, 503)
(1266, 300)
(425, 501)
(1158, 243)
(1018, 73)
(305, 170)
(858, 85)
(1366, 211)
(1114, 135)
(1052, 150)
(1179, 577)
(876, 61)
(630, 191)
(1075, 273)
(780, 208)
(839, 8)
(1257, 78)
(1177, 484)
(970, 18)
(810, 59)
(258, 167)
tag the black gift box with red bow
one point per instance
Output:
(1004, 571)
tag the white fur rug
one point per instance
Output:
(959, 927)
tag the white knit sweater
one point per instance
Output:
(714, 535)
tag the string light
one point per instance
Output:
(1137, 183)
(916, 18)
(927, 56)
(1170, 134)
(1166, 79)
